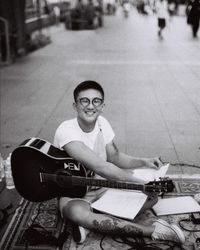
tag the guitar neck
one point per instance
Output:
(106, 183)
(63, 180)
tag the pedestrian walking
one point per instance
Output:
(56, 11)
(162, 14)
(193, 16)
(90, 14)
(126, 8)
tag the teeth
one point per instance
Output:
(89, 112)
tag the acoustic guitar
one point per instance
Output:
(42, 172)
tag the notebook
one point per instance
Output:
(127, 203)
(121, 203)
(150, 174)
(176, 205)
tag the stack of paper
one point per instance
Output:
(149, 174)
(121, 203)
(176, 205)
(127, 204)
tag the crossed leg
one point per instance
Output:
(80, 213)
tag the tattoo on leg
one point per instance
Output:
(112, 225)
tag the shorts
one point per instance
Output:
(90, 196)
(161, 23)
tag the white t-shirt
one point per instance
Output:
(70, 130)
(162, 9)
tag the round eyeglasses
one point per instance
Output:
(97, 102)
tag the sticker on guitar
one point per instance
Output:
(72, 166)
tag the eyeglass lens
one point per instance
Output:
(86, 101)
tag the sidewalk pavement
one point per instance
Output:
(152, 87)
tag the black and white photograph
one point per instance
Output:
(100, 124)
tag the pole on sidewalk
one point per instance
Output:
(39, 16)
(7, 38)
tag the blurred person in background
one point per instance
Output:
(171, 8)
(126, 8)
(193, 15)
(90, 14)
(99, 12)
(162, 15)
(56, 11)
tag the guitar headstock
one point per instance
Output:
(164, 185)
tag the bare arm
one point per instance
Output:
(129, 162)
(108, 170)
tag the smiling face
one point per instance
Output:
(89, 105)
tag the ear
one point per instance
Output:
(74, 106)
(103, 106)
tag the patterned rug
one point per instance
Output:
(47, 217)
(44, 215)
(96, 241)
(186, 186)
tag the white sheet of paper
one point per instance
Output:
(176, 205)
(121, 203)
(149, 174)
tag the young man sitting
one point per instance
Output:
(89, 139)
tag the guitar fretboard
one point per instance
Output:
(62, 180)
(85, 181)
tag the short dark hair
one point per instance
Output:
(88, 85)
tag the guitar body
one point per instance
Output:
(34, 157)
